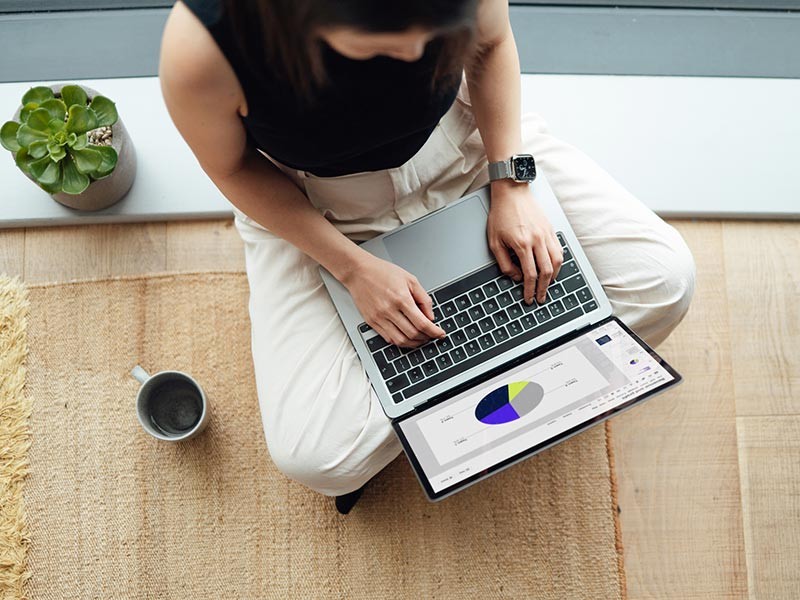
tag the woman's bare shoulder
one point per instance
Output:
(191, 62)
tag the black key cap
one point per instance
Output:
(463, 319)
(514, 311)
(556, 308)
(570, 302)
(402, 364)
(490, 306)
(497, 350)
(486, 324)
(392, 352)
(388, 371)
(449, 309)
(429, 350)
(397, 398)
(506, 298)
(505, 282)
(459, 337)
(415, 375)
(556, 291)
(584, 295)
(472, 330)
(429, 368)
(416, 357)
(514, 328)
(500, 335)
(363, 328)
(517, 293)
(567, 254)
(486, 341)
(477, 296)
(561, 239)
(590, 306)
(458, 354)
(380, 359)
(398, 383)
(445, 345)
(500, 318)
(449, 325)
(468, 283)
(476, 312)
(463, 302)
(491, 289)
(472, 348)
(529, 307)
(437, 314)
(573, 283)
(542, 315)
(528, 321)
(376, 343)
(443, 362)
(568, 269)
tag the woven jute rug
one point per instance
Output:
(106, 511)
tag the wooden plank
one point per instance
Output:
(769, 459)
(204, 246)
(12, 252)
(762, 263)
(92, 251)
(677, 465)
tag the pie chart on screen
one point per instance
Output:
(509, 402)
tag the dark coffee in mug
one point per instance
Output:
(175, 406)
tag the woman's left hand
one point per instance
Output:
(517, 222)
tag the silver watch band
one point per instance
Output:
(500, 170)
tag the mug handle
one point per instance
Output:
(140, 374)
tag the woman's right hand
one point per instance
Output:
(392, 302)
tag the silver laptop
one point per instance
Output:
(510, 379)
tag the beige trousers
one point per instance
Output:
(323, 424)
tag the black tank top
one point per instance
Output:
(371, 115)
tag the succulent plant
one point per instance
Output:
(50, 144)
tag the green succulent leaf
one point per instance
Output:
(45, 171)
(105, 110)
(37, 95)
(74, 181)
(74, 94)
(86, 160)
(109, 156)
(26, 135)
(38, 149)
(23, 160)
(55, 188)
(56, 108)
(80, 120)
(39, 119)
(8, 136)
(72, 139)
(80, 141)
(56, 151)
(26, 111)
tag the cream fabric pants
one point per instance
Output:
(323, 424)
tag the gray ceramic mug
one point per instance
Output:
(171, 405)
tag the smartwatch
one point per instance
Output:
(520, 167)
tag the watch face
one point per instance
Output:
(524, 168)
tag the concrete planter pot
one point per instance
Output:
(104, 192)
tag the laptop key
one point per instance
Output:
(463, 319)
(472, 348)
(444, 345)
(490, 306)
(392, 352)
(528, 321)
(486, 341)
(402, 364)
(468, 283)
(574, 283)
(429, 368)
(472, 330)
(556, 308)
(514, 328)
(463, 302)
(449, 309)
(500, 318)
(507, 298)
(416, 375)
(561, 239)
(496, 350)
(449, 325)
(416, 357)
(584, 295)
(568, 269)
(476, 312)
(459, 337)
(518, 292)
(500, 335)
(397, 398)
(486, 324)
(477, 295)
(491, 289)
(505, 282)
(458, 355)
(556, 291)
(570, 302)
(443, 362)
(567, 254)
(514, 311)
(590, 306)
(387, 371)
(437, 314)
(376, 343)
(363, 328)
(398, 383)
(542, 315)
(429, 350)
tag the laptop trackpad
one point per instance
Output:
(444, 245)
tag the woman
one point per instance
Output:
(326, 122)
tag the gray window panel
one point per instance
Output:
(566, 39)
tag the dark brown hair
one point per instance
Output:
(281, 34)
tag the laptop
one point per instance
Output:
(509, 379)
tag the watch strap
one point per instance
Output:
(500, 170)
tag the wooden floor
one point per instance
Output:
(709, 474)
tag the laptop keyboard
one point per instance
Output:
(484, 315)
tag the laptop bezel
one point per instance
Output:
(508, 462)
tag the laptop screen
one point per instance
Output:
(531, 406)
